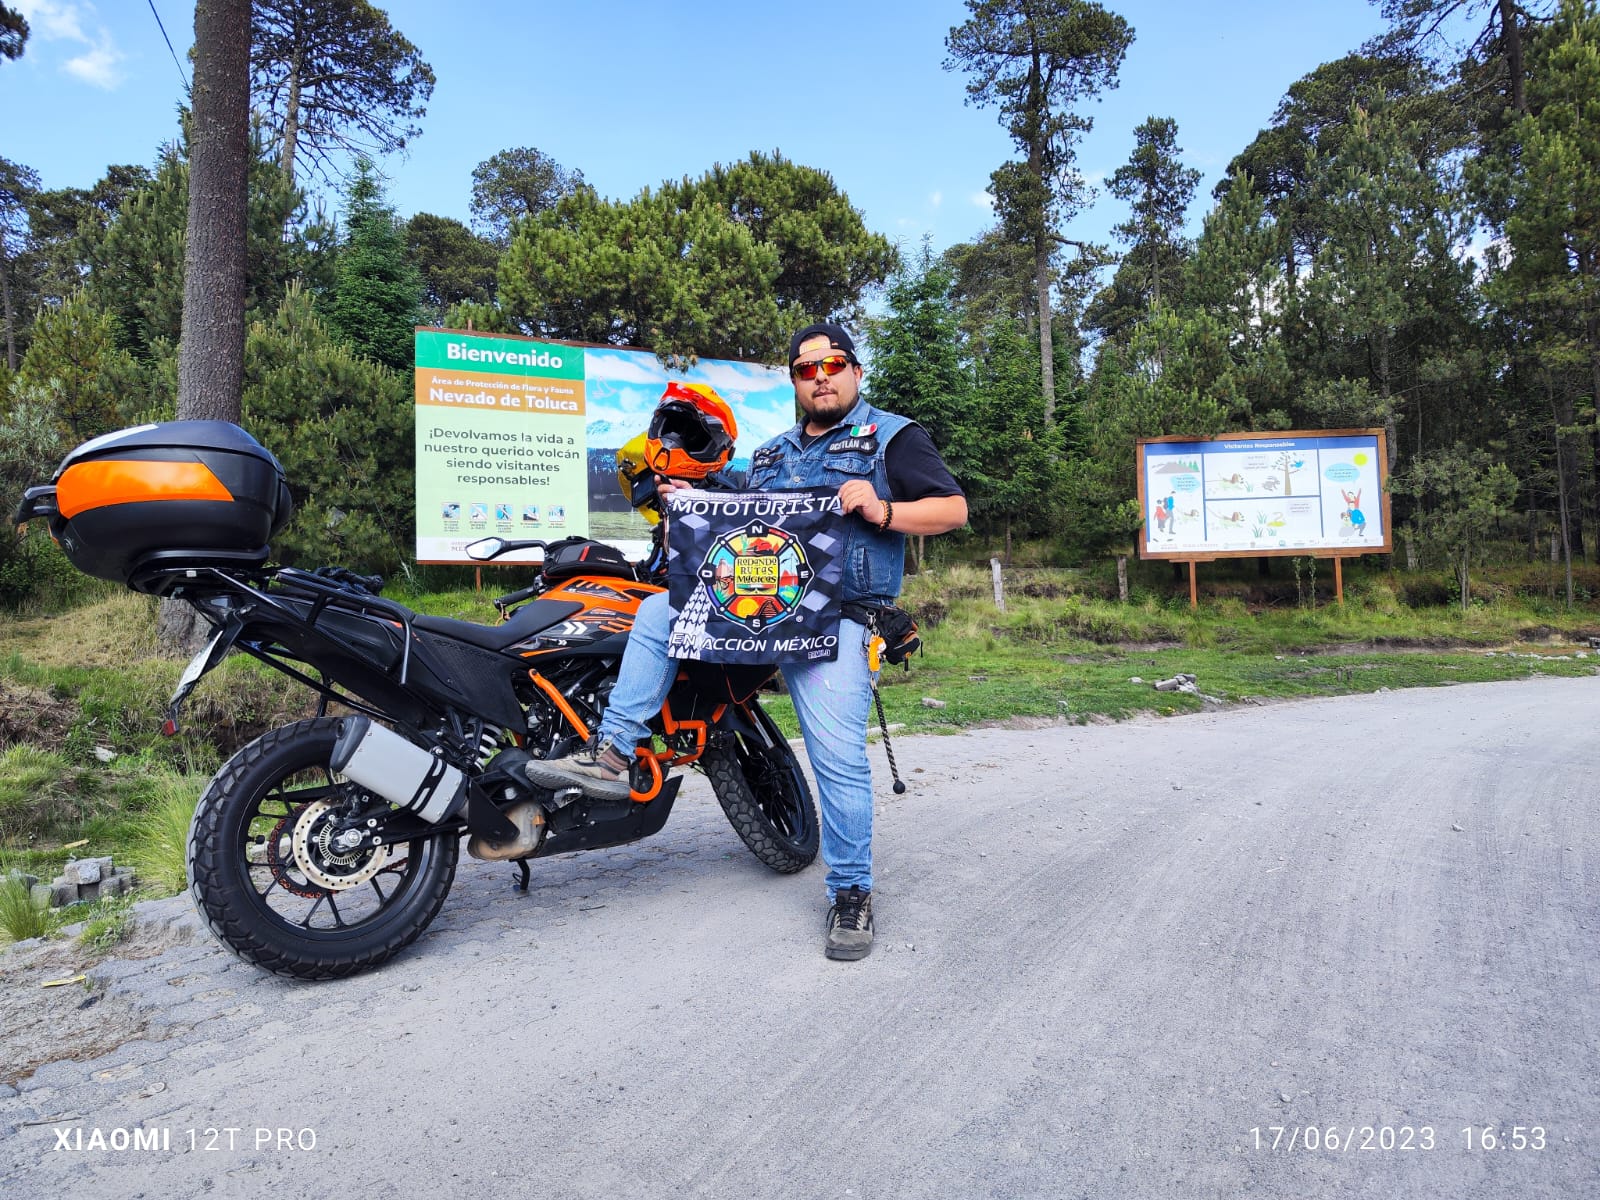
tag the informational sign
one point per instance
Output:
(1254, 494)
(518, 438)
(754, 577)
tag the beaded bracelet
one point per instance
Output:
(888, 515)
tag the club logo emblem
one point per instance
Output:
(756, 576)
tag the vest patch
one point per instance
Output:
(855, 444)
(765, 458)
(863, 430)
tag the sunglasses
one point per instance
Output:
(831, 365)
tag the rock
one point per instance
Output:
(89, 892)
(87, 870)
(1136, 679)
(930, 702)
(105, 754)
(43, 895)
(27, 881)
(1457, 829)
(113, 885)
(63, 893)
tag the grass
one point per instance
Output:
(111, 924)
(159, 853)
(21, 916)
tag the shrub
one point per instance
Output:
(160, 848)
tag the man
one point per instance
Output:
(891, 482)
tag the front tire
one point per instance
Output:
(265, 884)
(765, 795)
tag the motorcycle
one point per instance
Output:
(325, 847)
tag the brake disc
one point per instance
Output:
(314, 852)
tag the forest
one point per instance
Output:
(1412, 244)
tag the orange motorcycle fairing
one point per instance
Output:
(608, 607)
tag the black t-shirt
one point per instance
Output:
(915, 469)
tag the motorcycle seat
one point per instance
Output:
(524, 623)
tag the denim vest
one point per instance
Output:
(853, 449)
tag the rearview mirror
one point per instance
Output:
(485, 548)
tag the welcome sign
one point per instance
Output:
(753, 577)
(518, 438)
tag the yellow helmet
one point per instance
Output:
(637, 480)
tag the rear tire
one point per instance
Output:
(254, 892)
(765, 795)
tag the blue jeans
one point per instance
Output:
(833, 701)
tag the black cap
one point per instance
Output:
(837, 338)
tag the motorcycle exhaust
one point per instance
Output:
(383, 762)
(528, 818)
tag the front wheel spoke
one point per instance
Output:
(338, 920)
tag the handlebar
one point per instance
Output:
(501, 603)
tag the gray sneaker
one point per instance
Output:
(850, 925)
(598, 769)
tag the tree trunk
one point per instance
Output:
(1122, 578)
(1047, 352)
(1570, 467)
(211, 355)
(291, 118)
(1561, 497)
(10, 317)
(1511, 39)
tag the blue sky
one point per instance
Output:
(632, 93)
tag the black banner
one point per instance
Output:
(754, 576)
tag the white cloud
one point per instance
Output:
(618, 366)
(738, 377)
(936, 199)
(98, 67)
(53, 20)
(983, 200)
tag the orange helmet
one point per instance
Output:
(691, 434)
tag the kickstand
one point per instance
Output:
(521, 884)
(888, 746)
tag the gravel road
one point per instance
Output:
(1164, 958)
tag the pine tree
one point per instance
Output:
(1037, 60)
(75, 361)
(916, 358)
(342, 425)
(376, 303)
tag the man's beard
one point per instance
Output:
(828, 409)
